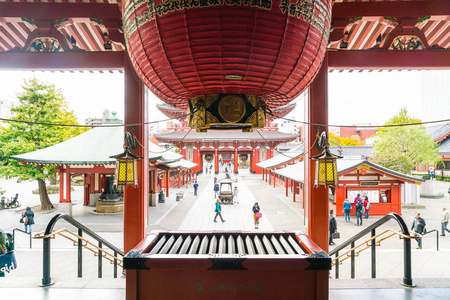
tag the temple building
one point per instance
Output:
(226, 150)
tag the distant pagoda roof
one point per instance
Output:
(230, 136)
(282, 111)
(171, 111)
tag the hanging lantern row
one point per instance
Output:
(126, 163)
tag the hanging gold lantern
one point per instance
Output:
(326, 170)
(126, 165)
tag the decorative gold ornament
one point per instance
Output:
(231, 108)
(227, 111)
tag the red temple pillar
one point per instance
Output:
(200, 159)
(216, 160)
(274, 178)
(179, 177)
(316, 198)
(65, 202)
(236, 160)
(167, 182)
(287, 186)
(136, 197)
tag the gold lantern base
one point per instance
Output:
(227, 112)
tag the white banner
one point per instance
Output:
(373, 195)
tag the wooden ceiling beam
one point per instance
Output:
(396, 9)
(389, 60)
(62, 61)
(50, 11)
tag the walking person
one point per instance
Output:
(235, 195)
(366, 207)
(418, 226)
(216, 190)
(333, 227)
(359, 207)
(218, 211)
(256, 214)
(27, 218)
(444, 221)
(357, 198)
(347, 208)
(195, 188)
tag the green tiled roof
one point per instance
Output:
(92, 147)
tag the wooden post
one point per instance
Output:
(136, 197)
(316, 198)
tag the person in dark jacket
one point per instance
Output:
(418, 226)
(359, 207)
(333, 227)
(195, 188)
(29, 220)
(218, 211)
(216, 190)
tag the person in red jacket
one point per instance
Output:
(366, 207)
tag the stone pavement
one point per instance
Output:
(431, 268)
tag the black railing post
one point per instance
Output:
(437, 240)
(374, 252)
(115, 264)
(336, 266)
(100, 260)
(46, 278)
(80, 253)
(407, 278)
(352, 259)
(28, 233)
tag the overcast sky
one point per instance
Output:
(354, 98)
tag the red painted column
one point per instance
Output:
(236, 160)
(167, 183)
(136, 197)
(216, 161)
(274, 178)
(287, 186)
(316, 198)
(179, 177)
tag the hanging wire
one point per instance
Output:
(93, 126)
(173, 145)
(284, 154)
(359, 126)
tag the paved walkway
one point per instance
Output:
(197, 213)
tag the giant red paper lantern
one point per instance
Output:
(187, 48)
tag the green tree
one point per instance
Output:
(401, 148)
(37, 103)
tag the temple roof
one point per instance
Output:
(282, 158)
(171, 111)
(439, 132)
(231, 136)
(92, 147)
(296, 172)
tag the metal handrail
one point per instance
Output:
(407, 269)
(14, 235)
(93, 247)
(437, 237)
(48, 235)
